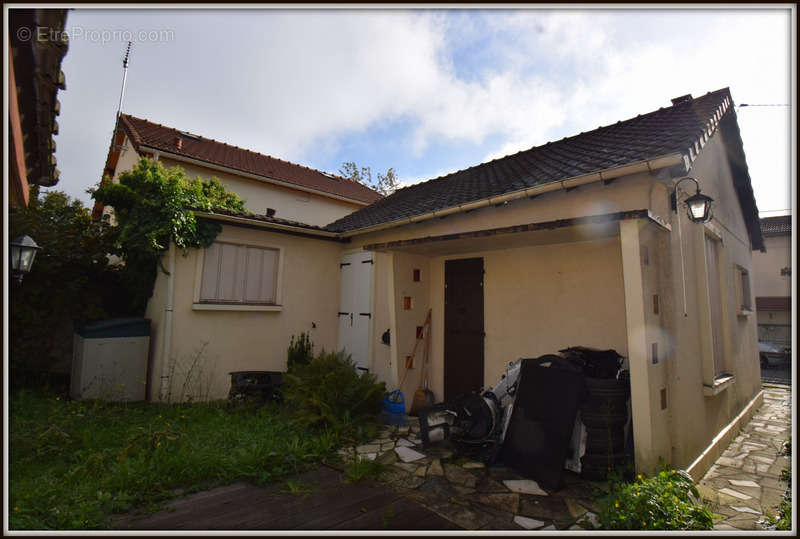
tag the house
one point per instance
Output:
(270, 186)
(37, 45)
(574, 242)
(772, 279)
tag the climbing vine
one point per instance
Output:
(152, 205)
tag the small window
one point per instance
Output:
(239, 274)
(744, 300)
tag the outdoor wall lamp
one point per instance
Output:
(23, 251)
(698, 205)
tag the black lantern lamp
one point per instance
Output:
(23, 251)
(698, 205)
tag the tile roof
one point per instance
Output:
(670, 130)
(168, 139)
(266, 219)
(776, 226)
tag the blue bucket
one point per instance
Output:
(394, 409)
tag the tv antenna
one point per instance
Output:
(124, 78)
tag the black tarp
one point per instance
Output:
(549, 393)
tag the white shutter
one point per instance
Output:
(211, 259)
(239, 274)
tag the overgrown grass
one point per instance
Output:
(364, 470)
(73, 464)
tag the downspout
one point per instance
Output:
(166, 361)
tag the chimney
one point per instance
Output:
(178, 143)
(682, 99)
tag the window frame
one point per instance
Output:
(716, 376)
(205, 305)
(744, 294)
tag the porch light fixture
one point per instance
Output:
(23, 251)
(698, 205)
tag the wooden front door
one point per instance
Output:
(463, 326)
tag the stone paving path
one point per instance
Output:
(468, 493)
(744, 485)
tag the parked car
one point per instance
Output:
(773, 353)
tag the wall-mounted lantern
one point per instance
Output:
(23, 251)
(698, 205)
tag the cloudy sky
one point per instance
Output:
(424, 91)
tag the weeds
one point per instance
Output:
(667, 501)
(364, 470)
(72, 464)
(783, 520)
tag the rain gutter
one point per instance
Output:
(648, 165)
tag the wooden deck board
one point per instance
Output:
(329, 504)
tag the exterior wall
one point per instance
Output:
(212, 343)
(384, 362)
(407, 320)
(698, 409)
(289, 203)
(649, 307)
(767, 279)
(520, 287)
(773, 326)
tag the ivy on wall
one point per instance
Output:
(153, 204)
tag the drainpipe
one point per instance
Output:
(166, 360)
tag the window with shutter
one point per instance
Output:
(239, 274)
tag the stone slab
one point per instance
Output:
(407, 454)
(524, 486)
(528, 523)
(735, 494)
(739, 483)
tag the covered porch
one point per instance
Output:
(522, 291)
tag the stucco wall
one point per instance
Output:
(215, 342)
(289, 204)
(407, 320)
(522, 286)
(767, 278)
(259, 195)
(696, 416)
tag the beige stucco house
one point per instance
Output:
(772, 280)
(575, 242)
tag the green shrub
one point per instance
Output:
(301, 351)
(329, 392)
(668, 501)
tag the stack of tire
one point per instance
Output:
(604, 412)
(604, 415)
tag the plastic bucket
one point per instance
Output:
(394, 408)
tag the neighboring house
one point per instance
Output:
(772, 280)
(270, 186)
(37, 44)
(574, 242)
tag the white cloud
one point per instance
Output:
(292, 83)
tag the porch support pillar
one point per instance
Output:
(641, 402)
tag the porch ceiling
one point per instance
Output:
(560, 231)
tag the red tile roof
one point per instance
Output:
(675, 129)
(776, 226)
(168, 139)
